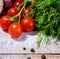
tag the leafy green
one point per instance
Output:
(47, 17)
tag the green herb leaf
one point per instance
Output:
(47, 17)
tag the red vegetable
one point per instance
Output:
(8, 3)
(12, 11)
(26, 11)
(15, 30)
(28, 24)
(19, 0)
(5, 22)
(0, 22)
(17, 3)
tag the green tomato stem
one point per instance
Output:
(19, 6)
(19, 19)
(20, 11)
(14, 17)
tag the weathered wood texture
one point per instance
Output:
(12, 48)
(33, 56)
(27, 40)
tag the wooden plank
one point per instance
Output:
(10, 56)
(53, 56)
(29, 56)
(32, 56)
(1, 56)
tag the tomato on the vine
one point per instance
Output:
(19, 0)
(15, 30)
(28, 24)
(0, 22)
(26, 11)
(17, 3)
(5, 22)
(12, 11)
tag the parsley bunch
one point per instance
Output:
(47, 16)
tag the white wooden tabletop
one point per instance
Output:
(27, 41)
(25, 47)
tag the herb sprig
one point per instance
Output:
(47, 17)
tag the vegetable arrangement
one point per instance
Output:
(42, 16)
(18, 18)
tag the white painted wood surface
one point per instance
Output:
(12, 48)
(13, 45)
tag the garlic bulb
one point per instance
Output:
(1, 6)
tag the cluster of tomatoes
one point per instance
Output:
(16, 28)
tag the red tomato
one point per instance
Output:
(15, 30)
(0, 23)
(17, 3)
(28, 24)
(5, 22)
(26, 11)
(12, 11)
(19, 0)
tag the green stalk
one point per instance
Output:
(20, 11)
(19, 19)
(13, 18)
(19, 6)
